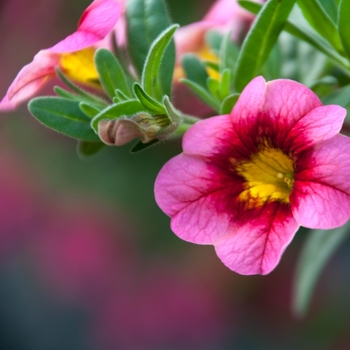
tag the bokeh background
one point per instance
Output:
(87, 259)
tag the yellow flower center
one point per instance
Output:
(269, 176)
(79, 66)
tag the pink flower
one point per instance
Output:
(246, 181)
(74, 54)
(223, 16)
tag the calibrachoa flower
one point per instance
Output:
(73, 55)
(223, 16)
(246, 181)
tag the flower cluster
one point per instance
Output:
(247, 179)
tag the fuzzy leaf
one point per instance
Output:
(110, 73)
(152, 80)
(194, 69)
(147, 101)
(202, 93)
(146, 19)
(64, 116)
(260, 40)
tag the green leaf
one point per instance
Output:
(317, 250)
(151, 80)
(85, 96)
(203, 94)
(214, 87)
(146, 19)
(87, 149)
(343, 25)
(141, 146)
(303, 33)
(194, 69)
(339, 97)
(64, 116)
(273, 65)
(172, 112)
(110, 73)
(117, 110)
(260, 40)
(228, 103)
(225, 83)
(319, 20)
(331, 8)
(89, 110)
(228, 53)
(213, 39)
(147, 101)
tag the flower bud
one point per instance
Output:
(147, 127)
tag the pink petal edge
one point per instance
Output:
(257, 247)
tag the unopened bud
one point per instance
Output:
(147, 127)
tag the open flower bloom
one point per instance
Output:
(246, 181)
(73, 55)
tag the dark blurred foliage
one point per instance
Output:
(88, 261)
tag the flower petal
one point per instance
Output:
(30, 79)
(286, 102)
(318, 125)
(96, 22)
(249, 105)
(204, 137)
(257, 246)
(191, 192)
(321, 194)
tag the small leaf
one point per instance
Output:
(339, 97)
(202, 93)
(147, 101)
(229, 53)
(214, 87)
(320, 21)
(225, 83)
(194, 69)
(228, 103)
(343, 25)
(87, 149)
(64, 116)
(141, 146)
(117, 110)
(317, 250)
(89, 110)
(146, 19)
(172, 112)
(150, 79)
(260, 40)
(86, 96)
(213, 40)
(110, 73)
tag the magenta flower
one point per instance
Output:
(246, 181)
(73, 55)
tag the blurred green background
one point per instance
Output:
(87, 259)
